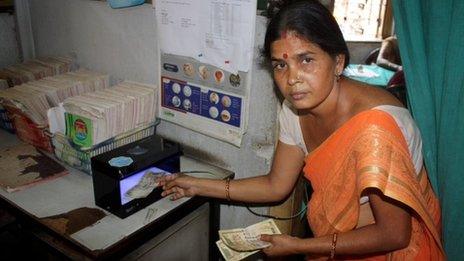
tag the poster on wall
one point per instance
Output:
(206, 49)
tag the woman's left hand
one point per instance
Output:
(281, 245)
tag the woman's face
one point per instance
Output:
(304, 73)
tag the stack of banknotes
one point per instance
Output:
(36, 69)
(237, 244)
(34, 98)
(115, 110)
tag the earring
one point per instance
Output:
(337, 76)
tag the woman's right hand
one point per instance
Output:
(177, 185)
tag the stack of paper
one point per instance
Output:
(16, 76)
(36, 97)
(59, 64)
(36, 69)
(63, 86)
(33, 103)
(114, 110)
(236, 244)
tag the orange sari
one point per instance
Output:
(369, 151)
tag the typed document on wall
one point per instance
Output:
(217, 32)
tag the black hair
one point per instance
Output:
(310, 20)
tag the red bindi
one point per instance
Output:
(285, 56)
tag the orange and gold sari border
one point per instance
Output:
(394, 188)
(399, 182)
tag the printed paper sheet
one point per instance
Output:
(216, 32)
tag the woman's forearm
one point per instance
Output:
(390, 231)
(257, 189)
(286, 167)
(365, 240)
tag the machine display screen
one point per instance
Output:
(139, 185)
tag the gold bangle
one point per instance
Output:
(227, 189)
(334, 246)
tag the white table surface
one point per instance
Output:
(75, 190)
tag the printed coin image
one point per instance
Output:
(188, 69)
(176, 88)
(225, 116)
(214, 98)
(226, 102)
(213, 112)
(187, 104)
(187, 91)
(234, 80)
(203, 72)
(176, 101)
(218, 76)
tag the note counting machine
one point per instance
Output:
(117, 171)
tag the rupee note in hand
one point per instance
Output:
(231, 255)
(145, 186)
(249, 238)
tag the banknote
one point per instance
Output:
(145, 186)
(231, 255)
(248, 239)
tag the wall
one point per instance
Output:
(9, 53)
(24, 29)
(123, 44)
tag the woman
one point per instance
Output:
(355, 143)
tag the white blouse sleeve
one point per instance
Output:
(286, 122)
(290, 129)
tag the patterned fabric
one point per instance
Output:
(5, 122)
(369, 151)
